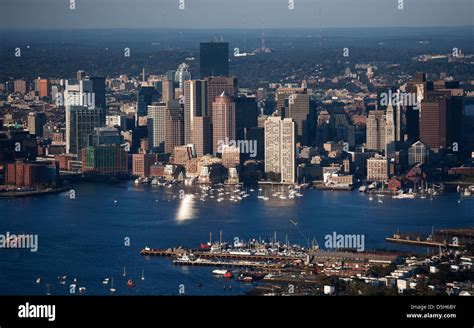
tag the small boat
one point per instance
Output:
(228, 274)
(130, 283)
(362, 188)
(82, 290)
(219, 272)
(143, 275)
(106, 281)
(38, 280)
(124, 273)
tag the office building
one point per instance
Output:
(214, 59)
(280, 150)
(223, 121)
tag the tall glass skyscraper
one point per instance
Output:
(214, 59)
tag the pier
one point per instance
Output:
(220, 255)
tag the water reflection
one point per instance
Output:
(186, 210)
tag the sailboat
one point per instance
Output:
(143, 275)
(112, 289)
(124, 273)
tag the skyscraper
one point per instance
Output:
(433, 123)
(214, 59)
(217, 85)
(390, 131)
(246, 113)
(303, 112)
(167, 90)
(195, 104)
(202, 135)
(182, 74)
(43, 88)
(146, 96)
(35, 123)
(280, 150)
(156, 122)
(174, 132)
(80, 127)
(223, 121)
(375, 130)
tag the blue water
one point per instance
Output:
(84, 238)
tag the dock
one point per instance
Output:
(245, 264)
(220, 255)
(422, 243)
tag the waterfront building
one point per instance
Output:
(105, 159)
(80, 127)
(377, 169)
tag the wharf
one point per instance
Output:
(214, 255)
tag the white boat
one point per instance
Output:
(362, 188)
(219, 272)
(38, 280)
(106, 281)
(404, 196)
(143, 275)
(112, 289)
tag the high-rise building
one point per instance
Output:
(217, 85)
(174, 132)
(146, 96)
(182, 74)
(156, 123)
(280, 150)
(20, 86)
(167, 90)
(303, 112)
(80, 127)
(202, 135)
(375, 130)
(223, 121)
(433, 119)
(195, 104)
(281, 96)
(80, 75)
(214, 59)
(36, 121)
(390, 132)
(246, 113)
(43, 88)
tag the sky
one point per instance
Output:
(219, 14)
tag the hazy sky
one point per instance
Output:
(233, 13)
